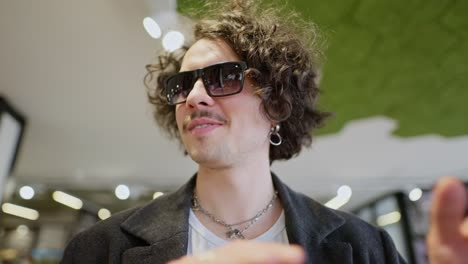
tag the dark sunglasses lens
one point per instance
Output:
(224, 79)
(178, 87)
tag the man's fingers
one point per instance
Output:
(248, 252)
(448, 208)
(464, 228)
(283, 254)
(252, 252)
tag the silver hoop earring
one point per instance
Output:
(275, 137)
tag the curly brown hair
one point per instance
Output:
(283, 53)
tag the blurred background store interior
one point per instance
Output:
(78, 142)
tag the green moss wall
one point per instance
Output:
(405, 59)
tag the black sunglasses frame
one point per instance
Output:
(200, 73)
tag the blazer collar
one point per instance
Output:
(163, 224)
(307, 221)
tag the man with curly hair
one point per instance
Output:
(240, 97)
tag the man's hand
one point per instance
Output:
(447, 239)
(248, 252)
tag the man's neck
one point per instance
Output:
(235, 193)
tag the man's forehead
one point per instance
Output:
(206, 52)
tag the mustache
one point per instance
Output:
(200, 114)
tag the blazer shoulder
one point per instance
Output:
(356, 226)
(101, 243)
(111, 225)
(369, 241)
(350, 227)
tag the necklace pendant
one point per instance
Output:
(235, 234)
(195, 204)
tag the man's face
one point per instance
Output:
(220, 131)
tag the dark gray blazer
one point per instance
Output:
(158, 232)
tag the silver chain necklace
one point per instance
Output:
(232, 232)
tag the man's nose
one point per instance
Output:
(198, 96)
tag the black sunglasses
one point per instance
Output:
(221, 79)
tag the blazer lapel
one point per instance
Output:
(163, 224)
(331, 252)
(308, 224)
(159, 252)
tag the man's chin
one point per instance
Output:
(208, 160)
(200, 158)
(196, 155)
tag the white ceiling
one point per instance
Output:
(75, 69)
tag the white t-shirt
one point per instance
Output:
(200, 239)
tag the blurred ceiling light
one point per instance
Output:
(157, 194)
(26, 192)
(67, 199)
(22, 230)
(388, 219)
(103, 213)
(20, 211)
(344, 191)
(152, 27)
(415, 194)
(342, 197)
(162, 17)
(173, 40)
(122, 192)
